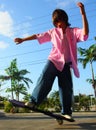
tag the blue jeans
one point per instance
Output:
(45, 82)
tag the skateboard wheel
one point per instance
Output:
(60, 121)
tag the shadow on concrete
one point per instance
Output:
(81, 126)
(88, 126)
(24, 117)
(2, 114)
(83, 122)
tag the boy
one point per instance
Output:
(63, 56)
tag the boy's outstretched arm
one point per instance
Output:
(84, 18)
(20, 40)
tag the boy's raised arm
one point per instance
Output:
(84, 18)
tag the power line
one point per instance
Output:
(31, 63)
(49, 14)
(44, 23)
(26, 53)
(47, 22)
(35, 51)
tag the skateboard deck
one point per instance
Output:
(58, 117)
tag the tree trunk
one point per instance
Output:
(93, 83)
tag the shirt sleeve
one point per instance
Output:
(79, 35)
(44, 37)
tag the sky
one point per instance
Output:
(21, 18)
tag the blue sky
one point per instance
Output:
(21, 18)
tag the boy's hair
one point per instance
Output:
(59, 15)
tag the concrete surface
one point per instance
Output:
(38, 121)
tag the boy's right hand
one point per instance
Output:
(81, 6)
(18, 40)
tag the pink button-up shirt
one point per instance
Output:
(56, 36)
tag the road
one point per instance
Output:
(38, 121)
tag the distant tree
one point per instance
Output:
(85, 102)
(88, 56)
(55, 101)
(21, 82)
(17, 78)
(27, 97)
(9, 75)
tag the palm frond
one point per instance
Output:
(2, 77)
(23, 72)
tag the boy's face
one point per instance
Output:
(61, 24)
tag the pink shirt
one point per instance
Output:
(56, 36)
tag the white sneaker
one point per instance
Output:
(69, 117)
(30, 104)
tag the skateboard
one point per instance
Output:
(59, 118)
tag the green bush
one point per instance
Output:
(24, 110)
(7, 106)
(1, 105)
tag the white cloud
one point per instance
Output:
(6, 24)
(3, 45)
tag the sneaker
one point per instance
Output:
(68, 117)
(30, 104)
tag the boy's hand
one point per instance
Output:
(18, 40)
(81, 6)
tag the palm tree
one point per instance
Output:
(88, 56)
(20, 82)
(17, 79)
(9, 77)
(91, 82)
